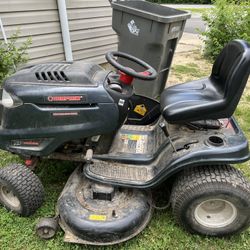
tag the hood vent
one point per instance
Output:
(51, 73)
(52, 76)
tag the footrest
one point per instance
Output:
(194, 147)
(118, 172)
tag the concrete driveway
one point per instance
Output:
(195, 22)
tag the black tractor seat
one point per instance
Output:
(214, 97)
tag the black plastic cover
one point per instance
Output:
(57, 102)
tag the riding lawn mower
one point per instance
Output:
(126, 145)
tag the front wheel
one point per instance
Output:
(21, 191)
(212, 200)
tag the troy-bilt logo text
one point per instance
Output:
(65, 98)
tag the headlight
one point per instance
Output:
(8, 101)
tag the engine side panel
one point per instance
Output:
(90, 122)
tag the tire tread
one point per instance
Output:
(26, 184)
(199, 179)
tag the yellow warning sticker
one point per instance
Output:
(140, 109)
(134, 143)
(130, 137)
(98, 217)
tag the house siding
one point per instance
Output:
(36, 19)
(89, 24)
(90, 29)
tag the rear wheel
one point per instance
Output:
(21, 191)
(212, 200)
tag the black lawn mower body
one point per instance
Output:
(72, 105)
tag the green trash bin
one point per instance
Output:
(150, 32)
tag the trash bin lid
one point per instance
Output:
(151, 11)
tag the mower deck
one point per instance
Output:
(96, 214)
(142, 155)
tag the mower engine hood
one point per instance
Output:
(56, 82)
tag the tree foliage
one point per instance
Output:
(228, 20)
(12, 55)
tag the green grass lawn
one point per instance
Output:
(162, 232)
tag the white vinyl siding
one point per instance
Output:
(36, 19)
(90, 29)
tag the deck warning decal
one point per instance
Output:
(97, 217)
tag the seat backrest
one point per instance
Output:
(231, 71)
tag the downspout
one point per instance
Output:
(3, 32)
(62, 9)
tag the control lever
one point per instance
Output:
(163, 127)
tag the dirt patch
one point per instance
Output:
(188, 66)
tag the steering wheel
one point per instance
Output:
(149, 74)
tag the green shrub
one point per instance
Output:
(12, 55)
(182, 1)
(228, 20)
